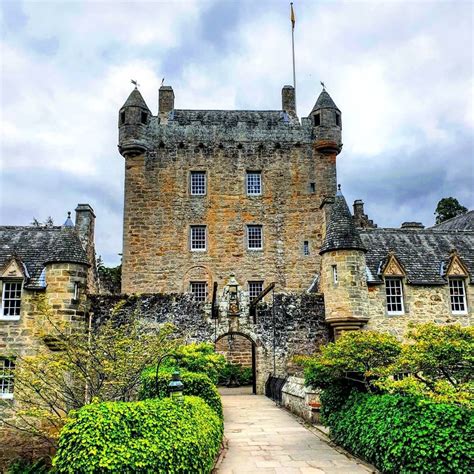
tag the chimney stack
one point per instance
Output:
(288, 100)
(85, 224)
(165, 103)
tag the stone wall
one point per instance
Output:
(301, 400)
(236, 349)
(299, 324)
(422, 304)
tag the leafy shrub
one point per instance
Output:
(241, 375)
(196, 384)
(401, 434)
(22, 466)
(198, 358)
(158, 436)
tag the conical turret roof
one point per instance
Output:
(135, 99)
(341, 233)
(324, 102)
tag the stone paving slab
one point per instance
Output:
(265, 438)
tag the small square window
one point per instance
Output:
(198, 237)
(199, 290)
(7, 369)
(306, 247)
(254, 183)
(198, 183)
(457, 296)
(394, 295)
(144, 117)
(312, 187)
(255, 288)
(11, 299)
(254, 237)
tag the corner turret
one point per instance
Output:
(327, 125)
(134, 117)
(343, 267)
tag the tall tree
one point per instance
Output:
(448, 208)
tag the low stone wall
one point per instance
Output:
(301, 400)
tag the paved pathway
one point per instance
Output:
(265, 438)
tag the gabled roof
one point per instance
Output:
(462, 222)
(37, 246)
(423, 253)
(135, 99)
(341, 233)
(324, 101)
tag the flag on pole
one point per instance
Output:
(292, 15)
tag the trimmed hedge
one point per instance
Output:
(158, 436)
(405, 434)
(194, 383)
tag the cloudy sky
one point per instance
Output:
(400, 71)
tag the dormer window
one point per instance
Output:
(338, 119)
(144, 118)
(11, 300)
(457, 296)
(317, 120)
(394, 295)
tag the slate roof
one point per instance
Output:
(36, 246)
(463, 222)
(421, 252)
(231, 118)
(324, 101)
(341, 233)
(135, 99)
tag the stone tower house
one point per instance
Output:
(211, 193)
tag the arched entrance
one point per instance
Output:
(240, 351)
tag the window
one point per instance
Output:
(198, 183)
(199, 290)
(255, 288)
(334, 274)
(75, 296)
(338, 119)
(317, 120)
(305, 247)
(11, 300)
(457, 296)
(394, 295)
(7, 368)
(312, 187)
(122, 117)
(143, 117)
(198, 237)
(254, 183)
(254, 237)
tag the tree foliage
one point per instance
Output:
(448, 208)
(110, 277)
(49, 222)
(103, 364)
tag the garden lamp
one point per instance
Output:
(175, 387)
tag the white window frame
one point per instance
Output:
(252, 285)
(198, 189)
(462, 296)
(201, 298)
(4, 317)
(253, 185)
(250, 229)
(394, 282)
(193, 239)
(7, 382)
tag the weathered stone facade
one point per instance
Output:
(299, 324)
(297, 165)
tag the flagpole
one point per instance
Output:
(293, 45)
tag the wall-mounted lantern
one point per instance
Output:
(233, 295)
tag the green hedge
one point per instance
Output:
(159, 436)
(405, 434)
(196, 384)
(241, 375)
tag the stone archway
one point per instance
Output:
(239, 348)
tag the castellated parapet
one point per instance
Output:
(296, 162)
